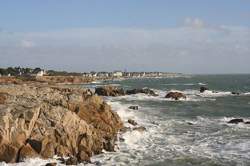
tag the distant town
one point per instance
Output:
(38, 72)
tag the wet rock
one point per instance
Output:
(143, 90)
(203, 89)
(235, 93)
(132, 122)
(236, 121)
(121, 139)
(248, 122)
(109, 91)
(133, 107)
(190, 123)
(140, 129)
(71, 161)
(51, 164)
(175, 95)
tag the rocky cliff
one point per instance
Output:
(42, 121)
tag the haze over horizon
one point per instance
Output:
(163, 35)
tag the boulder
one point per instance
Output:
(109, 91)
(51, 164)
(134, 107)
(236, 121)
(27, 152)
(140, 129)
(143, 90)
(45, 121)
(203, 89)
(132, 122)
(235, 93)
(175, 95)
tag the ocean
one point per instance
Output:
(193, 131)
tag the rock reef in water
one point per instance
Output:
(109, 91)
(115, 91)
(42, 121)
(175, 95)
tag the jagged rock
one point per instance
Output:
(27, 152)
(132, 122)
(140, 129)
(248, 122)
(236, 121)
(175, 95)
(143, 90)
(48, 121)
(203, 89)
(134, 107)
(109, 91)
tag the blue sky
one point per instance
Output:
(167, 35)
(43, 15)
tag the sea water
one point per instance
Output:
(192, 131)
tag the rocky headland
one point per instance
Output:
(38, 120)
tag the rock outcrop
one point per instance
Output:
(42, 121)
(109, 91)
(143, 90)
(175, 95)
(203, 89)
(134, 107)
(236, 121)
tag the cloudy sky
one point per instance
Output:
(194, 36)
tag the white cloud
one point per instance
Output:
(196, 47)
(27, 43)
(194, 22)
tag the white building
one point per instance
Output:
(117, 74)
(40, 73)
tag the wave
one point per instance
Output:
(186, 84)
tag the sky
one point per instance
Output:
(194, 36)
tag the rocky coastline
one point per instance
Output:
(39, 120)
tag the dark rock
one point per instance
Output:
(203, 89)
(175, 95)
(71, 161)
(236, 121)
(133, 122)
(235, 93)
(143, 90)
(133, 107)
(109, 91)
(121, 139)
(248, 122)
(140, 129)
(51, 164)
(189, 123)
